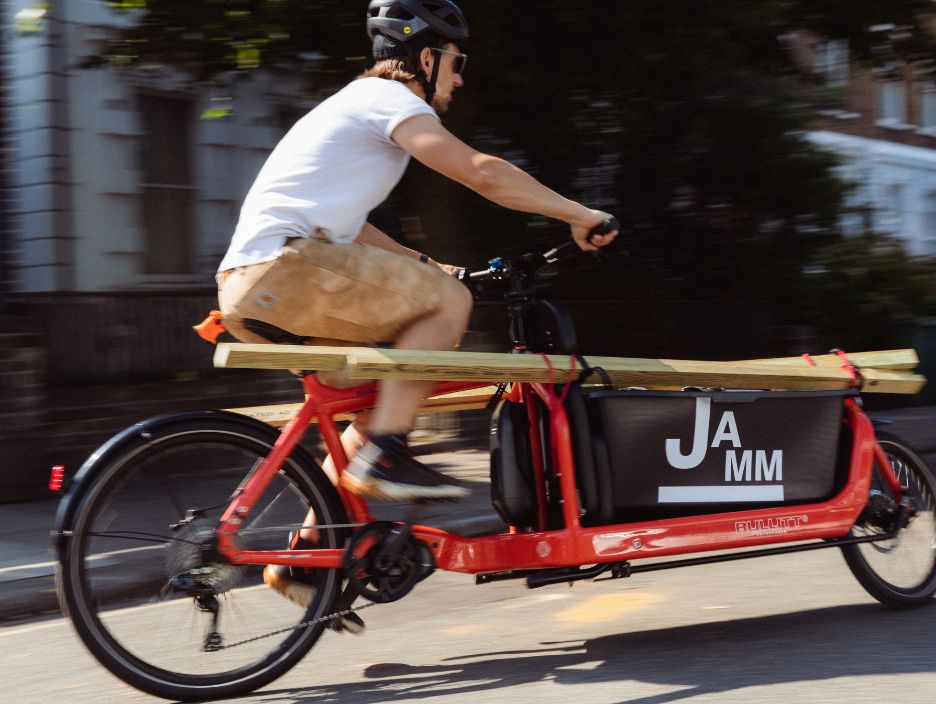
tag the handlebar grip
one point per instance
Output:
(609, 225)
(570, 248)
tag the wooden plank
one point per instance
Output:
(334, 358)
(371, 363)
(623, 371)
(244, 356)
(281, 413)
(278, 414)
(906, 359)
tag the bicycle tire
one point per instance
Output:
(899, 572)
(128, 496)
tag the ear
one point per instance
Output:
(425, 60)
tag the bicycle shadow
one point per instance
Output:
(710, 658)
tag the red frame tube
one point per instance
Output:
(572, 545)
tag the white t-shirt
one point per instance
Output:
(331, 169)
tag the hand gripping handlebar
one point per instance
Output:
(525, 266)
(569, 248)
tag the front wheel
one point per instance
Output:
(899, 571)
(147, 514)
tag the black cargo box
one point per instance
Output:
(681, 452)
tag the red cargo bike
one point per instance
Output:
(164, 532)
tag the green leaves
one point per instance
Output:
(213, 37)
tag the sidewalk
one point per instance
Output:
(27, 565)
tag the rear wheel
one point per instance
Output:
(127, 545)
(899, 571)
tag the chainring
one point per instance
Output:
(393, 579)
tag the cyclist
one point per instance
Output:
(304, 264)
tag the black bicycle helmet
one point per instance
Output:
(402, 28)
(405, 20)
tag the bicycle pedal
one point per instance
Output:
(349, 623)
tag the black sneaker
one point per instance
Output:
(384, 469)
(299, 585)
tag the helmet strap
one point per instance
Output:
(428, 84)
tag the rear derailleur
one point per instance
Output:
(198, 571)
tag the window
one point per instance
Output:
(832, 63)
(928, 234)
(168, 192)
(890, 214)
(928, 106)
(892, 104)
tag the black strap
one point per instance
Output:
(588, 370)
(274, 334)
(496, 397)
(428, 84)
(430, 87)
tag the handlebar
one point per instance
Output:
(570, 248)
(526, 266)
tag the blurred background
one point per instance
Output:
(773, 165)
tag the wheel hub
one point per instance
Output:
(193, 563)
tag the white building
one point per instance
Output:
(124, 179)
(882, 124)
(897, 184)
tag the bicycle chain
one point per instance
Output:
(304, 624)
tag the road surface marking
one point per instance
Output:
(466, 629)
(607, 607)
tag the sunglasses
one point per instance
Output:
(461, 60)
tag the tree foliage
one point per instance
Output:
(686, 118)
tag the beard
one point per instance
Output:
(441, 103)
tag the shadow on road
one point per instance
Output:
(719, 657)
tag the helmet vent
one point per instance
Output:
(398, 13)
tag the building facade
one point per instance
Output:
(125, 179)
(119, 192)
(881, 122)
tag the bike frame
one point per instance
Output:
(573, 545)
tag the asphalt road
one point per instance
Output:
(796, 628)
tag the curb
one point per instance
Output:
(35, 595)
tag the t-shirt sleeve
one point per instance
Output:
(394, 104)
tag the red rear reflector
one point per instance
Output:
(57, 477)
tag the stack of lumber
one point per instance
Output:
(887, 371)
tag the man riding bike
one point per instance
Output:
(305, 266)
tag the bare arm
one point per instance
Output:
(376, 238)
(370, 235)
(494, 178)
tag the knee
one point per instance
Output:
(457, 300)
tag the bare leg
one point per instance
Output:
(351, 440)
(399, 401)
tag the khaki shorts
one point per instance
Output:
(337, 293)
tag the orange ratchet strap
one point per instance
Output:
(852, 369)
